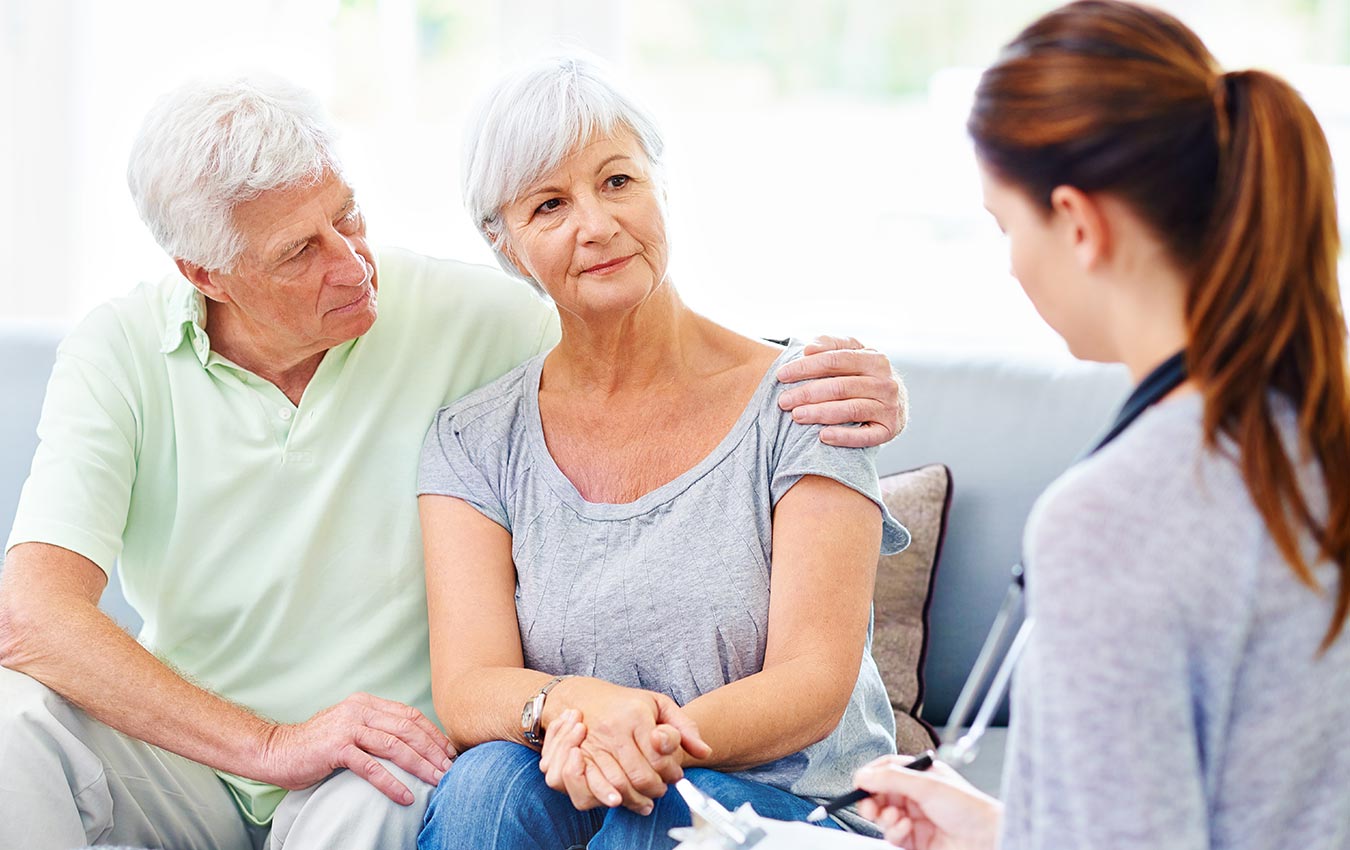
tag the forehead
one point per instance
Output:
(592, 153)
(279, 213)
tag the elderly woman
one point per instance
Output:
(636, 562)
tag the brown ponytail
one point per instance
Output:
(1234, 174)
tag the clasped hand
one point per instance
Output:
(617, 746)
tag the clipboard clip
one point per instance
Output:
(716, 828)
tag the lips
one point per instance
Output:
(360, 299)
(608, 266)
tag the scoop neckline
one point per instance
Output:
(567, 492)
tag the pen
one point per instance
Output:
(819, 814)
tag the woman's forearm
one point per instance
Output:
(774, 713)
(483, 704)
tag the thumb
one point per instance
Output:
(942, 793)
(670, 713)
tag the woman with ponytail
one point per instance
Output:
(1187, 683)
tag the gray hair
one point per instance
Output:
(204, 148)
(529, 122)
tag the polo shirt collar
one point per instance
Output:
(185, 320)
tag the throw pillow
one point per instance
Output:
(920, 499)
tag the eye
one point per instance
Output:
(298, 254)
(618, 181)
(549, 206)
(351, 219)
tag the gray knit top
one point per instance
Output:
(669, 593)
(1172, 695)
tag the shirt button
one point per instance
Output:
(284, 414)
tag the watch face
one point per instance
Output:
(529, 719)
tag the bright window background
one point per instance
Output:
(822, 180)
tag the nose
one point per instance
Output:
(596, 223)
(347, 266)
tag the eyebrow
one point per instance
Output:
(554, 190)
(286, 249)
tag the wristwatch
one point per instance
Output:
(532, 714)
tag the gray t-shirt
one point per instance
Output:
(669, 593)
(1172, 694)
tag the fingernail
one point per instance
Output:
(407, 798)
(445, 763)
(436, 776)
(614, 799)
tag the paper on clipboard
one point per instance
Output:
(715, 828)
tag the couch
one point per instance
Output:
(1004, 426)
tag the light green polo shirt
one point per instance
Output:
(273, 551)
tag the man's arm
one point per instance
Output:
(845, 383)
(52, 630)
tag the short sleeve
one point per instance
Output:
(800, 452)
(79, 488)
(449, 468)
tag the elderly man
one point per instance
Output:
(244, 438)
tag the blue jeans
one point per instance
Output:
(495, 798)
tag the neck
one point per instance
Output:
(289, 370)
(1148, 320)
(646, 346)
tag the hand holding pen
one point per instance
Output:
(929, 809)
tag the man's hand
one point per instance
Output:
(351, 735)
(845, 383)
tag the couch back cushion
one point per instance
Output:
(1006, 427)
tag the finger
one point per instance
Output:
(579, 790)
(360, 762)
(571, 735)
(556, 778)
(629, 795)
(856, 436)
(869, 808)
(407, 730)
(555, 731)
(665, 758)
(387, 746)
(417, 718)
(635, 757)
(899, 832)
(834, 363)
(672, 715)
(839, 388)
(829, 343)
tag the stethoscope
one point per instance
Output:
(958, 751)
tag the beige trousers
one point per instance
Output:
(67, 781)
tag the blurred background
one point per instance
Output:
(821, 177)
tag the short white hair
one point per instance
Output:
(207, 147)
(530, 121)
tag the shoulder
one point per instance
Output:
(490, 413)
(1157, 510)
(123, 339)
(136, 320)
(419, 285)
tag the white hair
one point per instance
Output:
(206, 147)
(529, 122)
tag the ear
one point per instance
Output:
(503, 246)
(1084, 224)
(203, 279)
